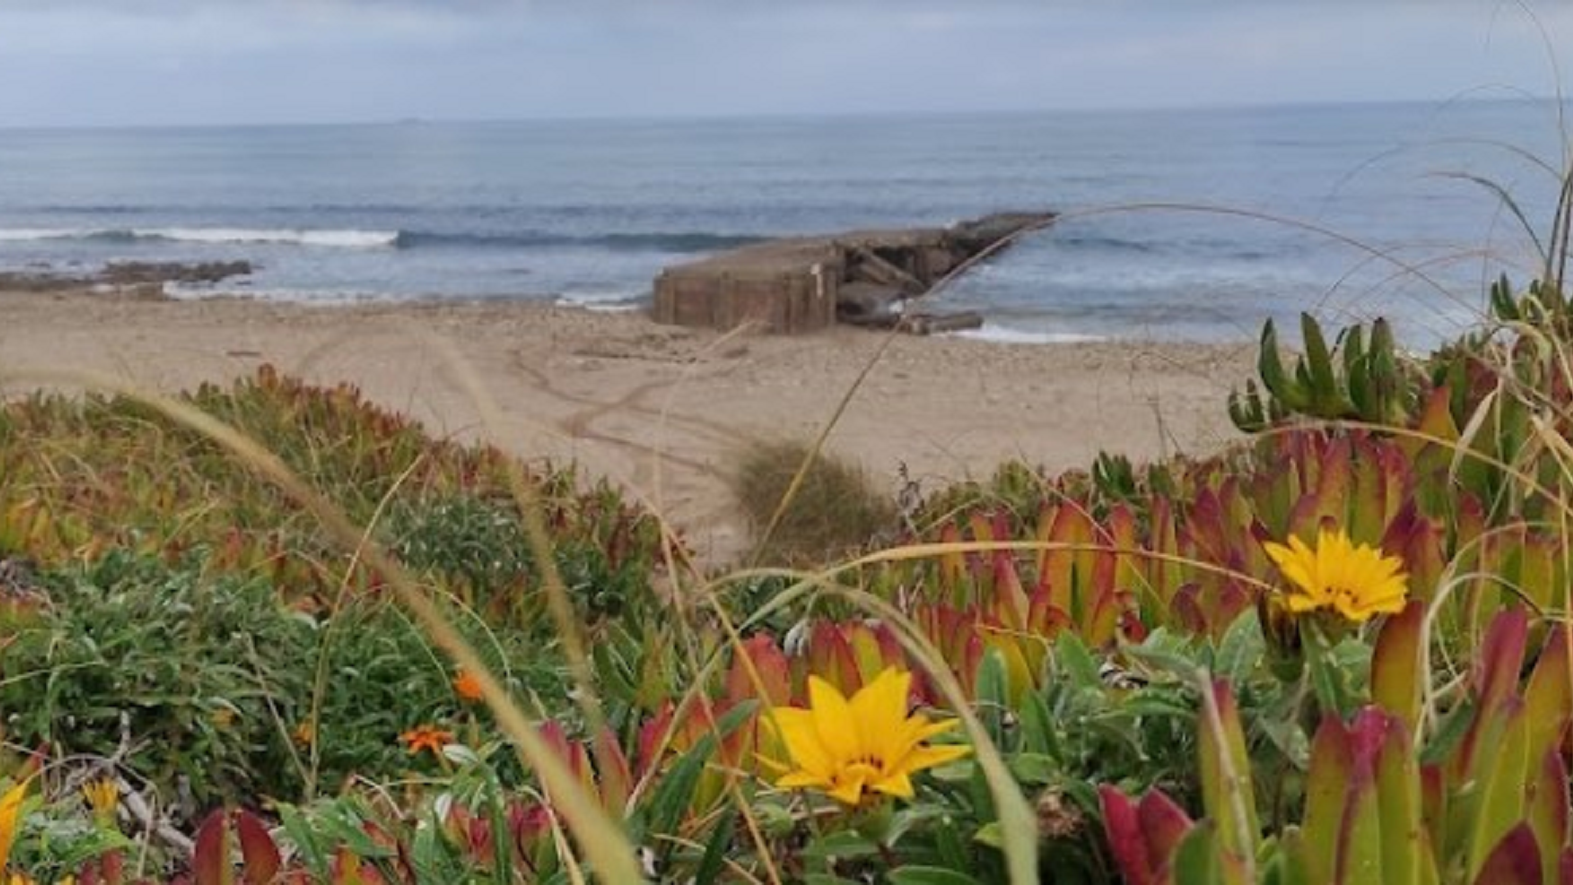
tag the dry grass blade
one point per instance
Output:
(819, 443)
(1018, 824)
(528, 502)
(319, 687)
(1505, 197)
(1390, 256)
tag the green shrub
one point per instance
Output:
(180, 677)
(210, 681)
(477, 551)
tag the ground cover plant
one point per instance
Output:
(268, 632)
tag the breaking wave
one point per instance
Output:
(341, 239)
(669, 242)
(688, 241)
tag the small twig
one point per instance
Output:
(141, 812)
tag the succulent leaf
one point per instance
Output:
(1514, 860)
(1396, 666)
(1226, 775)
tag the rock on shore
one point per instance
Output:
(140, 279)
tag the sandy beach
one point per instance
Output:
(658, 409)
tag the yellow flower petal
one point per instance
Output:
(833, 721)
(915, 731)
(928, 757)
(884, 699)
(850, 789)
(10, 810)
(800, 732)
(1278, 553)
(896, 784)
(1301, 602)
(922, 729)
(798, 779)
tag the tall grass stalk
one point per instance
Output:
(1018, 826)
(319, 688)
(762, 543)
(528, 501)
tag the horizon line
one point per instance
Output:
(1477, 96)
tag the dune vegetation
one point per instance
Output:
(271, 632)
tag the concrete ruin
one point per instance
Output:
(864, 278)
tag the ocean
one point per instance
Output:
(1182, 225)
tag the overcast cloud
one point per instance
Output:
(250, 61)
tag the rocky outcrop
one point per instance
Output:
(134, 279)
(126, 273)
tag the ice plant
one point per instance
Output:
(868, 744)
(426, 737)
(1355, 581)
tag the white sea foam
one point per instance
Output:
(605, 300)
(344, 239)
(30, 234)
(317, 297)
(1010, 335)
(332, 239)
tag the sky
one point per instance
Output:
(181, 62)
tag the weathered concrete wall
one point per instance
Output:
(796, 285)
(781, 301)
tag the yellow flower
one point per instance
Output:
(426, 737)
(1357, 582)
(843, 748)
(102, 796)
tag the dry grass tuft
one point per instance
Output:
(835, 509)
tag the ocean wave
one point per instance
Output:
(612, 300)
(678, 242)
(24, 235)
(91, 209)
(628, 306)
(681, 242)
(1101, 243)
(1010, 335)
(1167, 245)
(341, 239)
